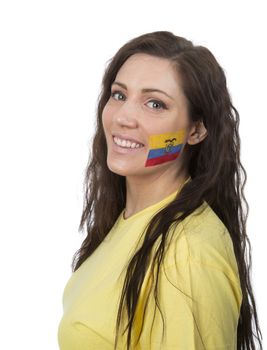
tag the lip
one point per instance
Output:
(126, 137)
(124, 150)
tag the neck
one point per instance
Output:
(143, 193)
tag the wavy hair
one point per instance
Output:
(220, 185)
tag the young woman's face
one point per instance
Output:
(132, 113)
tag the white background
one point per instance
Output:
(53, 55)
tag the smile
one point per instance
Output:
(126, 143)
(124, 146)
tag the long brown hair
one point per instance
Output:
(220, 185)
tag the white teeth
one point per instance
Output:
(126, 143)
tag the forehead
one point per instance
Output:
(146, 71)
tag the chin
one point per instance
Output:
(123, 170)
(117, 170)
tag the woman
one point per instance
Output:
(163, 263)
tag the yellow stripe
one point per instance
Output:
(158, 140)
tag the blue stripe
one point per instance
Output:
(159, 152)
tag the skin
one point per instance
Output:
(139, 115)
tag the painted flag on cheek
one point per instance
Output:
(164, 147)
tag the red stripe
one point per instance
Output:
(163, 159)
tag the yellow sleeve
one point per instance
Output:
(200, 298)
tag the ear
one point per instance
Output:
(197, 133)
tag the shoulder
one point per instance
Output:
(204, 220)
(200, 274)
(204, 239)
(204, 226)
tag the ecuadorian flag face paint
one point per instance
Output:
(165, 147)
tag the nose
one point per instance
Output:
(127, 115)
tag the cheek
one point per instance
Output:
(165, 147)
(106, 117)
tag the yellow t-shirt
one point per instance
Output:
(199, 288)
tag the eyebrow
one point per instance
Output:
(144, 90)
